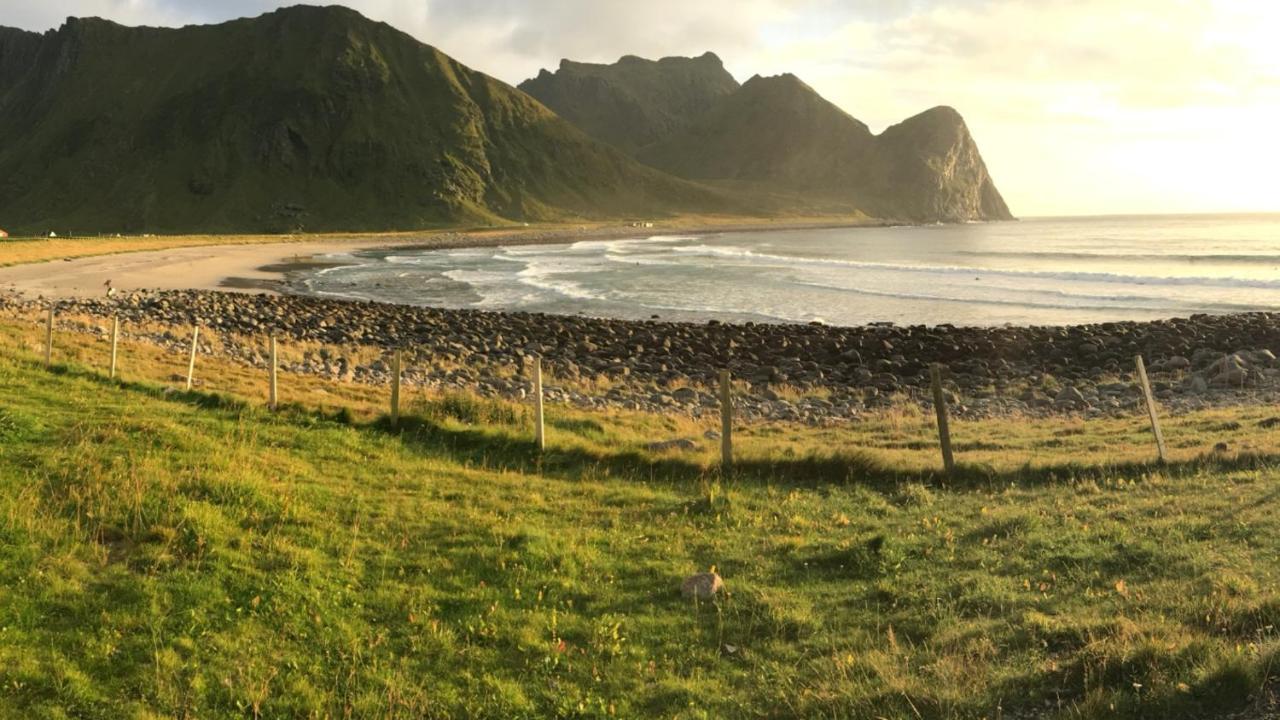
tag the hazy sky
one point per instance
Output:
(1079, 106)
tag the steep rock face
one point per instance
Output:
(777, 135)
(929, 167)
(633, 102)
(307, 117)
(17, 52)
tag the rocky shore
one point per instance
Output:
(805, 373)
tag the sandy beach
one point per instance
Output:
(213, 267)
(260, 266)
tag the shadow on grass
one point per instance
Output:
(500, 451)
(510, 450)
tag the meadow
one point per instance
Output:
(192, 554)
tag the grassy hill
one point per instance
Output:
(168, 554)
(305, 118)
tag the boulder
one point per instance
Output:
(1070, 398)
(685, 395)
(1196, 384)
(1230, 371)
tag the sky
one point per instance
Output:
(1080, 107)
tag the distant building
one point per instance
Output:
(3, 234)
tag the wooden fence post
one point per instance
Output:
(539, 417)
(944, 422)
(48, 339)
(395, 389)
(191, 364)
(115, 344)
(1151, 407)
(273, 396)
(726, 421)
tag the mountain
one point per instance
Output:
(929, 167)
(772, 130)
(633, 102)
(777, 135)
(308, 118)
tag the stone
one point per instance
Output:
(1070, 398)
(684, 394)
(1196, 384)
(647, 363)
(1251, 358)
(703, 586)
(1229, 371)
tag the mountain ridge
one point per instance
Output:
(311, 118)
(314, 118)
(634, 101)
(777, 134)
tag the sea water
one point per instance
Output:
(1048, 271)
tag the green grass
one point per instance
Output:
(167, 554)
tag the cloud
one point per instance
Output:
(510, 39)
(1080, 106)
(41, 16)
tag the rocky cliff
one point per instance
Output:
(776, 135)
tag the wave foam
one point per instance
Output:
(1070, 276)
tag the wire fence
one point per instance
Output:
(268, 362)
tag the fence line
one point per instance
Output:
(726, 398)
(115, 344)
(48, 340)
(273, 384)
(1151, 408)
(191, 364)
(944, 420)
(539, 416)
(395, 389)
(726, 420)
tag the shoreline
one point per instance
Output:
(263, 267)
(809, 374)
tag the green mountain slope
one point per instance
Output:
(778, 135)
(633, 102)
(312, 118)
(772, 130)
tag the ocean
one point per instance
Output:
(1051, 271)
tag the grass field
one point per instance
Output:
(168, 554)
